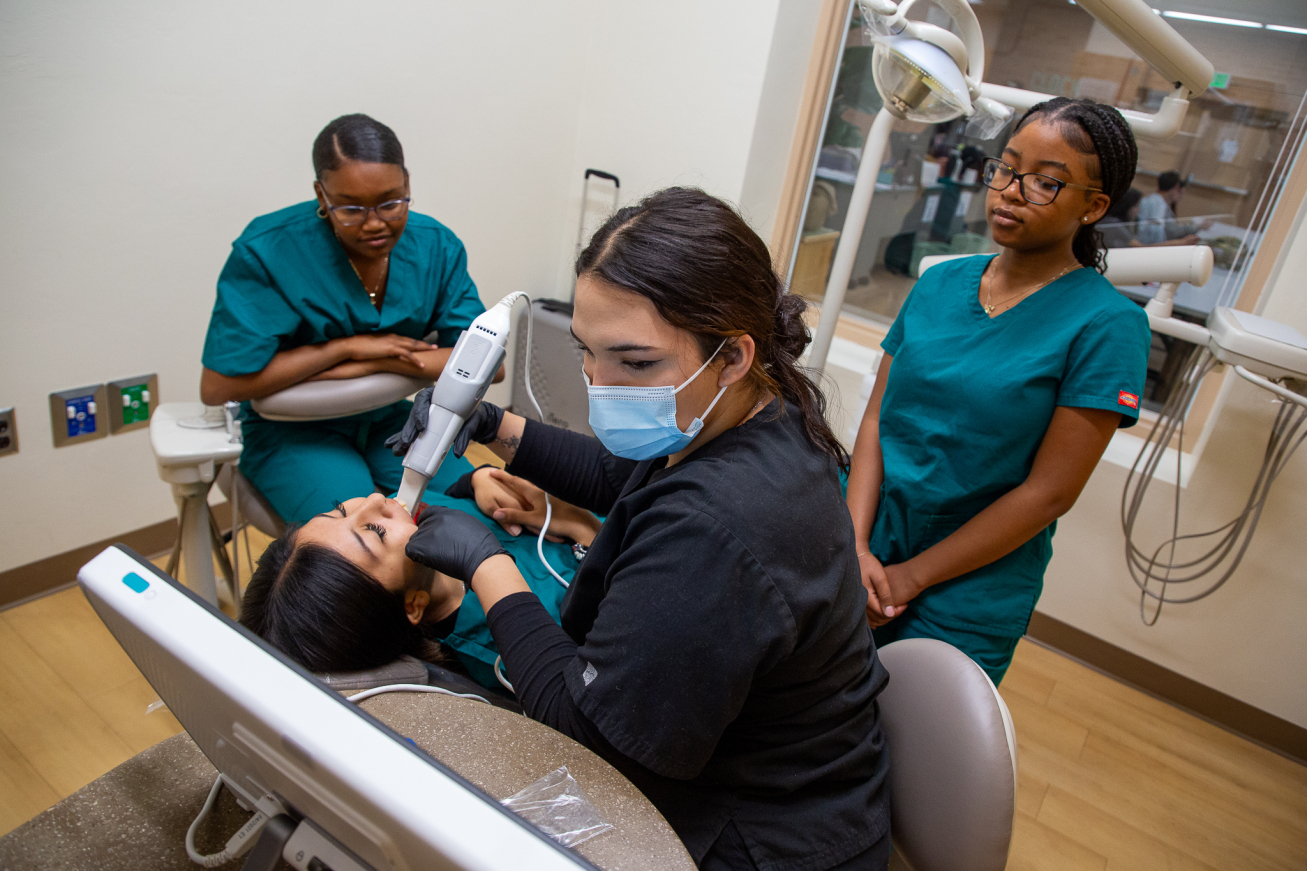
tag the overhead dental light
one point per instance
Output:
(920, 81)
(929, 74)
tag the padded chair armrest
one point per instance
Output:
(321, 400)
(406, 669)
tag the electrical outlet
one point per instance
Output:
(8, 432)
(78, 415)
(131, 401)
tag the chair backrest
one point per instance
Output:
(322, 400)
(953, 759)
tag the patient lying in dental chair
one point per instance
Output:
(337, 593)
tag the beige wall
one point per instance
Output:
(137, 139)
(1248, 640)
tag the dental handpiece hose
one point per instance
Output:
(464, 380)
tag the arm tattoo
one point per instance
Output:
(511, 445)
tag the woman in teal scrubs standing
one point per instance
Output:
(342, 286)
(1003, 380)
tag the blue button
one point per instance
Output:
(136, 582)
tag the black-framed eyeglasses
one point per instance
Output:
(350, 216)
(1037, 188)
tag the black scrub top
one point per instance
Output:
(714, 645)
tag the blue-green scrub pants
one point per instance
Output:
(967, 404)
(287, 283)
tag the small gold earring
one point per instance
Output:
(322, 213)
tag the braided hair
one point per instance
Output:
(355, 137)
(1097, 129)
(708, 272)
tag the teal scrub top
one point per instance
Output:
(471, 640)
(288, 282)
(967, 403)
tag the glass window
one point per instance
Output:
(1231, 156)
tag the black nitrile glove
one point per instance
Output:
(401, 441)
(453, 543)
(482, 426)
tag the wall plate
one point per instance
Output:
(79, 415)
(131, 402)
(8, 432)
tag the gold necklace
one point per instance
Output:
(988, 305)
(372, 294)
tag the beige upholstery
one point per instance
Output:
(953, 759)
(322, 400)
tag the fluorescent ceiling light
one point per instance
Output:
(1284, 29)
(1211, 19)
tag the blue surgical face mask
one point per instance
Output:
(639, 423)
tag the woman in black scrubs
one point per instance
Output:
(713, 643)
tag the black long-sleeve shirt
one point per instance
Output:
(713, 645)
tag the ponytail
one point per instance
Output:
(707, 272)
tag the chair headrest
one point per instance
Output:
(406, 669)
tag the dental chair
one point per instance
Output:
(195, 445)
(953, 760)
(311, 400)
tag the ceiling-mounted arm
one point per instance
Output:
(1149, 36)
(1162, 124)
(1131, 21)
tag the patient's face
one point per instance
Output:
(371, 532)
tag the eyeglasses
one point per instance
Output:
(1037, 188)
(350, 216)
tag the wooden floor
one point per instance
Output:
(1110, 779)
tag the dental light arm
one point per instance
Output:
(1149, 36)
(1131, 21)
(463, 381)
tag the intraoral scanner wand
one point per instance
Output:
(462, 383)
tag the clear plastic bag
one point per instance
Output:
(556, 805)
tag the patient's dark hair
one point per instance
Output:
(355, 137)
(326, 613)
(707, 272)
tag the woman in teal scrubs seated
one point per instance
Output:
(338, 593)
(1003, 381)
(337, 287)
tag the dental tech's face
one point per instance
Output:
(371, 532)
(627, 343)
(1017, 224)
(365, 184)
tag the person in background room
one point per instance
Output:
(1120, 225)
(1157, 222)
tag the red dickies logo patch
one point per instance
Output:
(1128, 399)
